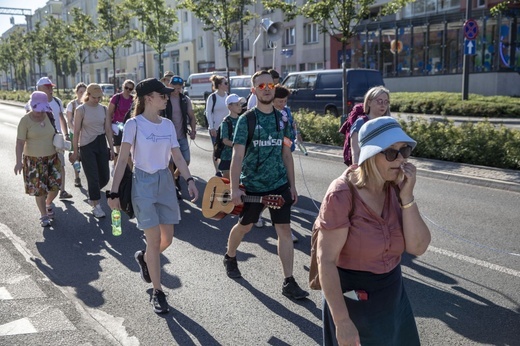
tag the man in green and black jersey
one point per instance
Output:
(264, 166)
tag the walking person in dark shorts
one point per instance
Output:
(264, 166)
(153, 141)
(368, 218)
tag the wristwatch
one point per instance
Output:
(112, 195)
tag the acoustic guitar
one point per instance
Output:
(216, 203)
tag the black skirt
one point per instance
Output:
(386, 318)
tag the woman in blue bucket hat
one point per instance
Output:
(368, 218)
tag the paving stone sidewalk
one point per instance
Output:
(505, 179)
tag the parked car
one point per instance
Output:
(240, 85)
(321, 90)
(198, 85)
(108, 89)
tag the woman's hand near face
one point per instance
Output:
(410, 177)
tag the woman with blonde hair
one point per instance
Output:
(153, 190)
(92, 132)
(376, 104)
(368, 218)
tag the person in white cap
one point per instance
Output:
(227, 127)
(60, 123)
(368, 218)
(36, 156)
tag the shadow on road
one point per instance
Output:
(466, 313)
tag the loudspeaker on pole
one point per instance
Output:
(274, 30)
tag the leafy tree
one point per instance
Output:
(158, 20)
(113, 29)
(508, 7)
(36, 41)
(338, 18)
(17, 57)
(5, 58)
(81, 31)
(58, 46)
(222, 17)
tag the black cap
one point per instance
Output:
(148, 86)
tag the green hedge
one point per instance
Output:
(481, 143)
(445, 103)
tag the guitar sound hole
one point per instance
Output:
(226, 198)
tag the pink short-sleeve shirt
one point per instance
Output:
(375, 242)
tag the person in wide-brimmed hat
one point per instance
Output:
(36, 156)
(368, 218)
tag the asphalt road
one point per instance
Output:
(464, 289)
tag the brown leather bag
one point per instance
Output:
(314, 278)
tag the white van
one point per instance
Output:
(108, 89)
(198, 85)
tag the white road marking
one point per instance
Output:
(21, 326)
(475, 261)
(4, 294)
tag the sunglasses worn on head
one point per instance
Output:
(391, 154)
(128, 88)
(262, 86)
(177, 80)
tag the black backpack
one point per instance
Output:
(219, 143)
(251, 124)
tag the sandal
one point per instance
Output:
(50, 212)
(77, 182)
(45, 221)
(64, 195)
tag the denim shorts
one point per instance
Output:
(154, 199)
(184, 146)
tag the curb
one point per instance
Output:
(328, 152)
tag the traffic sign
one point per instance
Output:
(470, 29)
(469, 47)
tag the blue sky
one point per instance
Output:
(32, 5)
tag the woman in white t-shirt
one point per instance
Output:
(216, 109)
(79, 90)
(153, 141)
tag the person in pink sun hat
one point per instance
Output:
(36, 157)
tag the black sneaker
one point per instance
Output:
(143, 268)
(292, 290)
(232, 267)
(160, 305)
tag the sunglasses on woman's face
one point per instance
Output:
(129, 88)
(391, 154)
(262, 86)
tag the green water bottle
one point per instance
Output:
(116, 223)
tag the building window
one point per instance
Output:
(481, 3)
(311, 33)
(290, 37)
(185, 16)
(201, 42)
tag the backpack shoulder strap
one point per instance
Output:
(230, 128)
(57, 101)
(251, 124)
(214, 99)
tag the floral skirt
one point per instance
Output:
(41, 174)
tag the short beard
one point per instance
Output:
(265, 102)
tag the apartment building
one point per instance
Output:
(421, 48)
